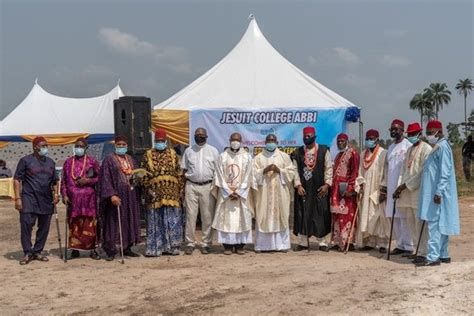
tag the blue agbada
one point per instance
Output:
(438, 178)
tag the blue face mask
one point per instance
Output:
(160, 146)
(121, 150)
(79, 152)
(43, 151)
(270, 146)
(369, 143)
(413, 139)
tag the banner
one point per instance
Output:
(287, 124)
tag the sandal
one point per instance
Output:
(26, 259)
(40, 257)
(94, 255)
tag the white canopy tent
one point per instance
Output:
(43, 113)
(254, 75)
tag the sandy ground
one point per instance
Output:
(276, 283)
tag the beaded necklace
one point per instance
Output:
(125, 165)
(412, 156)
(83, 167)
(369, 157)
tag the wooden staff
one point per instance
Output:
(120, 234)
(419, 238)
(391, 228)
(351, 233)
(59, 232)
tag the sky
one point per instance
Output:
(377, 54)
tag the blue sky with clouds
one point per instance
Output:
(377, 54)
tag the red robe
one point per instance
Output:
(346, 170)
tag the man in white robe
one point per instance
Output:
(408, 192)
(393, 164)
(233, 217)
(273, 173)
(373, 227)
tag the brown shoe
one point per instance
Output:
(205, 250)
(26, 259)
(40, 257)
(189, 250)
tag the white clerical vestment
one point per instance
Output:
(233, 218)
(372, 220)
(272, 193)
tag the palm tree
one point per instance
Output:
(439, 94)
(421, 102)
(464, 87)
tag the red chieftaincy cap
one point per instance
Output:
(414, 128)
(372, 133)
(434, 124)
(342, 136)
(160, 133)
(309, 130)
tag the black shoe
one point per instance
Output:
(445, 260)
(382, 250)
(94, 255)
(366, 248)
(397, 251)
(428, 263)
(205, 250)
(324, 248)
(109, 258)
(74, 255)
(419, 259)
(189, 250)
(300, 248)
(129, 253)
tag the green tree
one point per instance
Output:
(439, 95)
(464, 88)
(421, 102)
(454, 136)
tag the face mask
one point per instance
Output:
(79, 152)
(43, 151)
(121, 150)
(200, 139)
(270, 146)
(413, 139)
(370, 143)
(432, 139)
(160, 146)
(235, 145)
(309, 140)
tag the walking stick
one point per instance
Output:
(306, 221)
(419, 238)
(391, 228)
(120, 234)
(59, 232)
(351, 233)
(66, 226)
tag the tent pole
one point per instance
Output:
(361, 134)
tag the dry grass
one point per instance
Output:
(464, 188)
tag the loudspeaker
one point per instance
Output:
(132, 118)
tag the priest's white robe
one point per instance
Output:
(233, 218)
(272, 193)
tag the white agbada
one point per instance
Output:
(410, 174)
(372, 221)
(395, 156)
(233, 218)
(272, 192)
(393, 165)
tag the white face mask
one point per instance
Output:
(235, 145)
(432, 139)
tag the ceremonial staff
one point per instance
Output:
(391, 228)
(306, 221)
(419, 239)
(120, 234)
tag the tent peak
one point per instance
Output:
(36, 80)
(251, 17)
